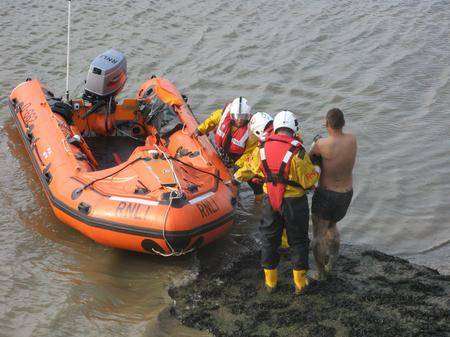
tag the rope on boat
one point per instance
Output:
(173, 252)
(174, 194)
(76, 193)
(196, 168)
(167, 158)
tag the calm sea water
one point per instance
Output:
(385, 64)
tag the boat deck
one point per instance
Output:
(103, 149)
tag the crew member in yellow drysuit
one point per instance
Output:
(232, 136)
(286, 169)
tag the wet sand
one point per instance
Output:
(369, 294)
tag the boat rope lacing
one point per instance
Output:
(197, 169)
(174, 194)
(173, 252)
(76, 192)
(167, 158)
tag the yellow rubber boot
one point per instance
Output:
(270, 279)
(300, 281)
(284, 240)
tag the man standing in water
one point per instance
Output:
(332, 198)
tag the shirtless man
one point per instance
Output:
(336, 155)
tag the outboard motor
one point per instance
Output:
(106, 77)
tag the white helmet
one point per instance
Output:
(239, 109)
(286, 119)
(258, 124)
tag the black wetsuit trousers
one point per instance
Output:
(294, 216)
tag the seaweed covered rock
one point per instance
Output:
(369, 294)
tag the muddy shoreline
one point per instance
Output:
(369, 294)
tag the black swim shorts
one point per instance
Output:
(330, 205)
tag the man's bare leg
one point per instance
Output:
(319, 245)
(333, 243)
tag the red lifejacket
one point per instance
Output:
(231, 142)
(276, 156)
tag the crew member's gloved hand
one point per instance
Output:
(235, 179)
(315, 139)
(318, 171)
(197, 133)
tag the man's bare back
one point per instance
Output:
(338, 152)
(334, 194)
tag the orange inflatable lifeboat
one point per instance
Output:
(127, 175)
